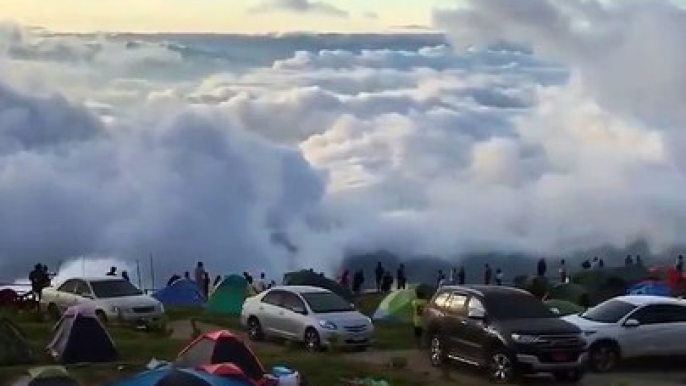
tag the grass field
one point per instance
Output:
(136, 348)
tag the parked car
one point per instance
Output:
(506, 331)
(306, 314)
(113, 299)
(632, 326)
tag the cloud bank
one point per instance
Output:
(515, 138)
(299, 6)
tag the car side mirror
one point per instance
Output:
(476, 313)
(632, 323)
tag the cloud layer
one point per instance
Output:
(300, 6)
(518, 137)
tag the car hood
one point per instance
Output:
(131, 301)
(585, 324)
(347, 318)
(538, 326)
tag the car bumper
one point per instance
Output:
(533, 363)
(346, 339)
(140, 318)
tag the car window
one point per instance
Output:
(441, 301)
(107, 289)
(292, 302)
(81, 288)
(68, 286)
(273, 298)
(456, 304)
(476, 304)
(611, 311)
(659, 313)
(516, 306)
(326, 302)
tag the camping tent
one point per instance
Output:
(650, 287)
(229, 296)
(181, 293)
(570, 292)
(563, 307)
(221, 347)
(80, 337)
(14, 348)
(313, 279)
(602, 284)
(171, 376)
(46, 376)
(397, 305)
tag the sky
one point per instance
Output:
(218, 15)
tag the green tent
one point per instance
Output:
(14, 347)
(313, 279)
(603, 284)
(568, 291)
(563, 307)
(397, 305)
(229, 296)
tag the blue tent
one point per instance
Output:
(182, 293)
(170, 376)
(650, 287)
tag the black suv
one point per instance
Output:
(504, 330)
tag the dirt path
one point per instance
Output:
(419, 363)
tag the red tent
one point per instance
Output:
(223, 353)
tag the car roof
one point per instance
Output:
(300, 289)
(92, 279)
(485, 290)
(643, 300)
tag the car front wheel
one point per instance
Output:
(436, 351)
(312, 340)
(603, 357)
(255, 329)
(501, 368)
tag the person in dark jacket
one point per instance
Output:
(542, 267)
(488, 274)
(461, 276)
(401, 278)
(379, 272)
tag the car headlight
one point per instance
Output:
(328, 325)
(523, 338)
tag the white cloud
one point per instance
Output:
(415, 150)
(299, 6)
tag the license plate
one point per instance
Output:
(560, 357)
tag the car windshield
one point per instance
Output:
(517, 306)
(326, 302)
(610, 311)
(114, 289)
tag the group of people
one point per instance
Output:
(384, 279)
(202, 278)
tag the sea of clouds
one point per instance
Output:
(535, 126)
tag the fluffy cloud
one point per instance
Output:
(299, 6)
(402, 143)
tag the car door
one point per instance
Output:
(65, 294)
(474, 330)
(654, 335)
(292, 318)
(454, 322)
(268, 310)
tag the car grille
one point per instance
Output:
(559, 341)
(143, 310)
(355, 329)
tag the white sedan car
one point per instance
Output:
(312, 315)
(632, 326)
(113, 298)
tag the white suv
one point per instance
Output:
(632, 326)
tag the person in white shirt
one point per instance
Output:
(261, 284)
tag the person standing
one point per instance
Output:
(461, 276)
(499, 276)
(112, 272)
(401, 278)
(37, 277)
(488, 274)
(440, 279)
(679, 266)
(379, 273)
(563, 271)
(199, 274)
(345, 279)
(125, 276)
(542, 267)
(418, 306)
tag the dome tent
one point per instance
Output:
(397, 305)
(313, 279)
(229, 296)
(181, 293)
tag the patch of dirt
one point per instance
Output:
(418, 362)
